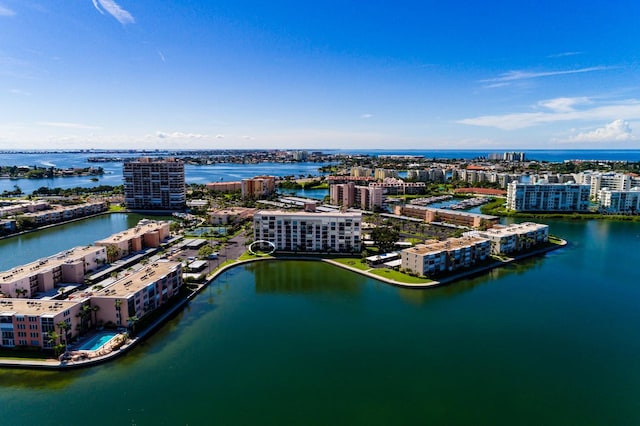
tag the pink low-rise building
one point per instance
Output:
(25, 322)
(146, 234)
(44, 274)
(137, 294)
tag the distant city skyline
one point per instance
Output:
(493, 75)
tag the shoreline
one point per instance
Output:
(53, 364)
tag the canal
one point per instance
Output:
(551, 340)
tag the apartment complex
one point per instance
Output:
(309, 232)
(258, 187)
(224, 186)
(506, 239)
(138, 294)
(619, 201)
(393, 186)
(64, 213)
(427, 175)
(460, 218)
(44, 274)
(154, 184)
(350, 195)
(548, 197)
(232, 215)
(25, 322)
(148, 233)
(436, 257)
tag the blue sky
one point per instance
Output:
(319, 75)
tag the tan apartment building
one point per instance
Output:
(148, 233)
(436, 257)
(44, 274)
(136, 295)
(429, 215)
(258, 187)
(231, 215)
(224, 186)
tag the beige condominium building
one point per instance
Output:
(435, 257)
(454, 217)
(146, 234)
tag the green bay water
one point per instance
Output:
(552, 340)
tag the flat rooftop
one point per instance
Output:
(446, 245)
(307, 214)
(138, 231)
(138, 280)
(47, 263)
(34, 307)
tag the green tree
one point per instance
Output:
(385, 237)
(113, 253)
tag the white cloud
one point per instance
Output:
(219, 136)
(5, 11)
(113, 9)
(563, 54)
(525, 75)
(66, 125)
(564, 104)
(626, 110)
(618, 130)
(366, 116)
(180, 135)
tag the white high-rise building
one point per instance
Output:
(547, 197)
(309, 232)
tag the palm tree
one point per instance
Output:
(64, 330)
(21, 292)
(95, 310)
(132, 323)
(118, 303)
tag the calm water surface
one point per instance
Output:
(552, 340)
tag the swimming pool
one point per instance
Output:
(97, 341)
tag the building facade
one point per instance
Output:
(309, 232)
(351, 195)
(154, 184)
(258, 187)
(548, 197)
(613, 201)
(436, 257)
(507, 239)
(147, 234)
(460, 218)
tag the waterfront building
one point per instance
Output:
(154, 184)
(548, 197)
(12, 207)
(599, 180)
(426, 175)
(57, 214)
(309, 231)
(232, 215)
(224, 186)
(258, 187)
(147, 234)
(28, 323)
(435, 257)
(346, 179)
(619, 201)
(358, 171)
(512, 238)
(382, 174)
(459, 218)
(393, 186)
(134, 296)
(350, 195)
(45, 274)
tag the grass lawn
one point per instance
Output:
(353, 262)
(399, 276)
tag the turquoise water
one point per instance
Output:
(204, 230)
(96, 342)
(552, 340)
